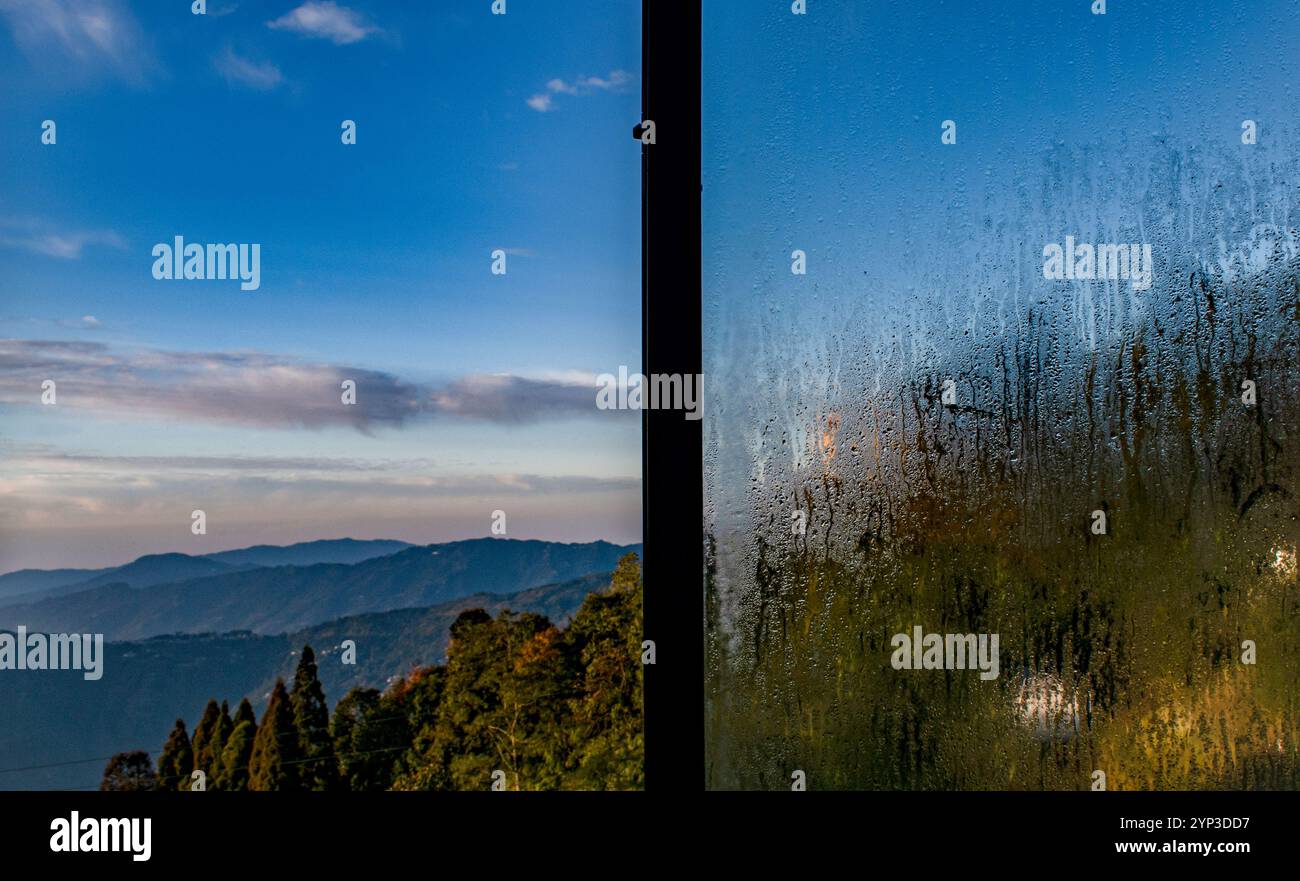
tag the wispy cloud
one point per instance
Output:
(544, 102)
(41, 238)
(91, 472)
(616, 80)
(262, 76)
(505, 398)
(38, 459)
(325, 20)
(270, 391)
(90, 34)
(237, 388)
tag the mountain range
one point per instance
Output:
(27, 585)
(278, 599)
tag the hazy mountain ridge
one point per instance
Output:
(348, 551)
(28, 582)
(153, 569)
(269, 600)
(31, 585)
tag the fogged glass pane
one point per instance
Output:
(1001, 321)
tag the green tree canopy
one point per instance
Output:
(370, 732)
(606, 732)
(498, 705)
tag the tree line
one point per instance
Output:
(519, 704)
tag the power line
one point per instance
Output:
(69, 762)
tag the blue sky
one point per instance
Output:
(475, 391)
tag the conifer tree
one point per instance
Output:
(311, 717)
(224, 726)
(203, 740)
(177, 760)
(274, 765)
(233, 773)
(245, 713)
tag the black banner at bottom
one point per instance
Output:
(640, 830)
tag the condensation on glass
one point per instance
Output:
(1039, 383)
